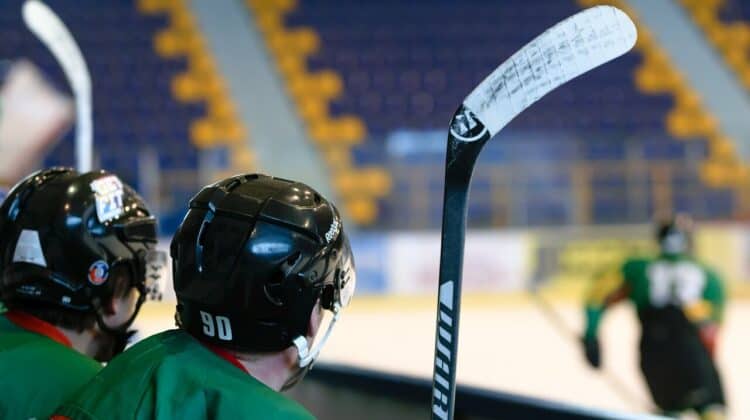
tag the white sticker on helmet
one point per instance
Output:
(29, 249)
(108, 192)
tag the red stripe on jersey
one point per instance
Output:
(229, 357)
(34, 324)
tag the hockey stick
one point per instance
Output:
(568, 49)
(53, 33)
(614, 382)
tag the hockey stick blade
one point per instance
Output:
(53, 33)
(572, 47)
(567, 50)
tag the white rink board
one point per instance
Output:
(512, 347)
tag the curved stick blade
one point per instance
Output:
(572, 47)
(53, 33)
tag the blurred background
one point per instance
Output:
(354, 99)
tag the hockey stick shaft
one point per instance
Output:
(460, 159)
(568, 49)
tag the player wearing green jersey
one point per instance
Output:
(680, 303)
(73, 249)
(257, 260)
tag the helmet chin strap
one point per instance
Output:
(307, 356)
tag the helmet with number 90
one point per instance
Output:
(252, 258)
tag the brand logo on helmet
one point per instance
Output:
(98, 272)
(333, 231)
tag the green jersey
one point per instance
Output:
(38, 368)
(656, 283)
(171, 375)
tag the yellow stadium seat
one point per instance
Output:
(721, 148)
(362, 210)
(182, 20)
(645, 39)
(717, 34)
(301, 86)
(347, 182)
(588, 3)
(220, 108)
(377, 180)
(213, 84)
(312, 109)
(329, 83)
(648, 81)
(277, 42)
(740, 33)
(320, 132)
(268, 22)
(715, 174)
(234, 131)
(155, 6)
(243, 159)
(351, 129)
(185, 88)
(736, 57)
(203, 133)
(686, 98)
(704, 124)
(337, 158)
(167, 44)
(679, 124)
(202, 63)
(304, 41)
(194, 44)
(291, 65)
(704, 17)
(278, 6)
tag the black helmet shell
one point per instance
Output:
(252, 257)
(61, 232)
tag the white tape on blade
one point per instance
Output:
(570, 48)
(48, 27)
(45, 24)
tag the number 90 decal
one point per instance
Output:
(216, 326)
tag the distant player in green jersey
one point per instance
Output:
(680, 303)
(73, 249)
(257, 260)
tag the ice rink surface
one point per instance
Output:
(509, 344)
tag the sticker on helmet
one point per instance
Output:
(108, 191)
(98, 272)
(29, 249)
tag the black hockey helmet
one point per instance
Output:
(62, 232)
(674, 234)
(251, 259)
